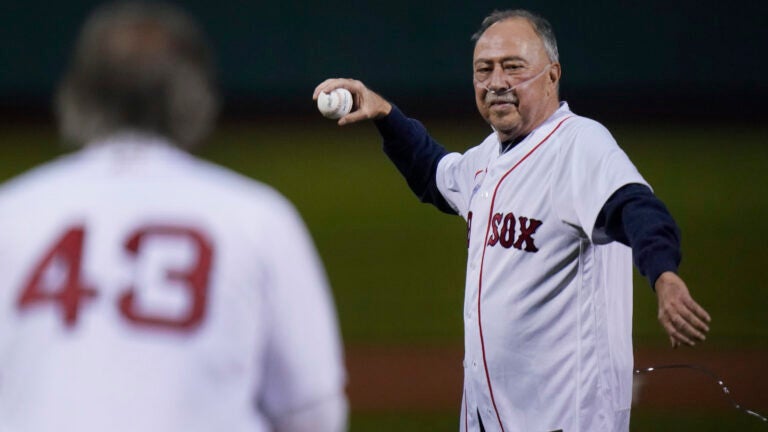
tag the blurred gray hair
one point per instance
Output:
(541, 26)
(138, 67)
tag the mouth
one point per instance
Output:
(501, 104)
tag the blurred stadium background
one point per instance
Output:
(680, 84)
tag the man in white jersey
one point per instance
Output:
(144, 289)
(551, 204)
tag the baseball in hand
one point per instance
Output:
(336, 104)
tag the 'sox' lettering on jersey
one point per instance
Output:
(503, 229)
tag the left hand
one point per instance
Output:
(683, 319)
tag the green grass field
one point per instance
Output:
(397, 266)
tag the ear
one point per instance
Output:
(555, 71)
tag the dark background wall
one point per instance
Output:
(654, 58)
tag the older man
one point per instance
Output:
(146, 290)
(551, 204)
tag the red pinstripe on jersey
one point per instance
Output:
(466, 427)
(482, 259)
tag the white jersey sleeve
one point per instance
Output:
(590, 168)
(457, 174)
(302, 372)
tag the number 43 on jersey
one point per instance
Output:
(57, 278)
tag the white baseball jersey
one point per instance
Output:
(548, 303)
(146, 290)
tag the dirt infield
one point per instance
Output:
(430, 378)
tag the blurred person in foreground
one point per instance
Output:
(555, 211)
(144, 289)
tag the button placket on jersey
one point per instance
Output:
(477, 205)
(482, 212)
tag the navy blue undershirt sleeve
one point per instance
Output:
(634, 216)
(415, 154)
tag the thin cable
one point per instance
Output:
(511, 88)
(709, 373)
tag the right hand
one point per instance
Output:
(367, 104)
(683, 319)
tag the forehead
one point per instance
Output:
(513, 37)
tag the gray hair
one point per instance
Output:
(541, 26)
(138, 67)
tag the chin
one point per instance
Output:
(509, 126)
(507, 116)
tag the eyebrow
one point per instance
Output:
(502, 60)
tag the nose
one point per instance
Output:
(498, 82)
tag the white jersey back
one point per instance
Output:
(144, 289)
(548, 304)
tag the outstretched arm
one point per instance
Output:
(406, 141)
(634, 216)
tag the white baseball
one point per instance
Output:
(336, 104)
